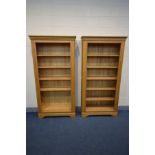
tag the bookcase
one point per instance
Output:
(102, 59)
(54, 69)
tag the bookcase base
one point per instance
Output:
(110, 113)
(42, 115)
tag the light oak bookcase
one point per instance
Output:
(102, 59)
(54, 68)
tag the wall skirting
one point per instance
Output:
(34, 109)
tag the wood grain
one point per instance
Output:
(102, 65)
(53, 58)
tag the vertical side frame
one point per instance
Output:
(72, 61)
(36, 74)
(119, 74)
(84, 74)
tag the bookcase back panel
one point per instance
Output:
(103, 49)
(55, 84)
(102, 72)
(103, 61)
(100, 103)
(101, 93)
(54, 61)
(54, 72)
(101, 83)
(55, 97)
(56, 102)
(53, 48)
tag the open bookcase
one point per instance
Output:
(54, 68)
(102, 59)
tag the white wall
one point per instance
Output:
(77, 17)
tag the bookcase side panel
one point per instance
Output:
(84, 74)
(72, 63)
(36, 74)
(119, 72)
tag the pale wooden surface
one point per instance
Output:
(102, 65)
(53, 58)
(84, 75)
(72, 63)
(55, 78)
(99, 109)
(119, 74)
(55, 89)
(57, 107)
(36, 74)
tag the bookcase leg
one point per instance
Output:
(84, 115)
(40, 115)
(114, 115)
(72, 116)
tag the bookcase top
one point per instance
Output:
(42, 37)
(104, 37)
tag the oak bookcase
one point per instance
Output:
(54, 68)
(102, 59)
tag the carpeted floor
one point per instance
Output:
(94, 135)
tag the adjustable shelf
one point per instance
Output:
(100, 99)
(55, 78)
(96, 55)
(53, 58)
(55, 89)
(100, 67)
(104, 88)
(102, 59)
(54, 67)
(42, 55)
(101, 78)
(99, 109)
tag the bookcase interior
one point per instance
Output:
(53, 49)
(101, 49)
(56, 101)
(101, 75)
(55, 84)
(54, 69)
(106, 72)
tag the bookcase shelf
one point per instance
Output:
(56, 108)
(103, 88)
(53, 55)
(99, 109)
(54, 67)
(101, 78)
(55, 78)
(102, 59)
(100, 99)
(55, 89)
(96, 55)
(53, 59)
(100, 67)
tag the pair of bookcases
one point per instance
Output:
(54, 68)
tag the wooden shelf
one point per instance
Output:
(55, 89)
(56, 107)
(101, 78)
(100, 99)
(55, 78)
(102, 67)
(53, 55)
(99, 109)
(104, 88)
(57, 67)
(103, 55)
